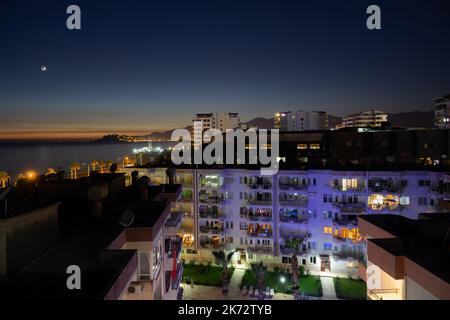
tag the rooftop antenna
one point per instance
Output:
(127, 218)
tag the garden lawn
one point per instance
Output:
(309, 285)
(350, 289)
(204, 275)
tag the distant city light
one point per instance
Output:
(30, 175)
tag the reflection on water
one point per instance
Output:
(16, 158)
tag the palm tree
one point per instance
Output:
(74, 167)
(224, 260)
(294, 265)
(4, 179)
(94, 164)
(170, 172)
(259, 269)
(50, 171)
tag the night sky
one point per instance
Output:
(144, 65)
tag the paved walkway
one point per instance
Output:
(328, 288)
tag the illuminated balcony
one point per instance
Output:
(292, 216)
(213, 242)
(260, 214)
(350, 185)
(211, 181)
(212, 212)
(260, 230)
(214, 229)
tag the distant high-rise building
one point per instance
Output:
(442, 112)
(366, 119)
(301, 120)
(218, 120)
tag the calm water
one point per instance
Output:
(17, 158)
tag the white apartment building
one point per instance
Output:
(442, 112)
(311, 213)
(366, 119)
(301, 120)
(217, 120)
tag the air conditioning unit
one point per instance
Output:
(135, 288)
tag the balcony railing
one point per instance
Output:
(352, 208)
(376, 294)
(210, 214)
(295, 203)
(345, 222)
(210, 245)
(294, 186)
(294, 219)
(341, 188)
(260, 234)
(169, 249)
(214, 229)
(256, 217)
(265, 186)
(262, 202)
(260, 249)
(174, 220)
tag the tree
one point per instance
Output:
(259, 269)
(74, 167)
(113, 167)
(50, 171)
(294, 265)
(170, 172)
(223, 260)
(4, 179)
(94, 164)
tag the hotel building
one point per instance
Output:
(442, 112)
(366, 119)
(301, 120)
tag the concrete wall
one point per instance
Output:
(415, 292)
(25, 237)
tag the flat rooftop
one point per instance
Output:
(425, 241)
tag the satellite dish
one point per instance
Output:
(127, 218)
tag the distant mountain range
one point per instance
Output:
(414, 119)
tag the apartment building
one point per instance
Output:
(310, 213)
(126, 246)
(215, 120)
(407, 259)
(442, 112)
(366, 119)
(301, 120)
(310, 207)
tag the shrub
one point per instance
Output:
(301, 270)
(192, 262)
(276, 269)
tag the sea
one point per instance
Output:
(18, 158)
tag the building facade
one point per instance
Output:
(310, 213)
(301, 120)
(366, 119)
(442, 112)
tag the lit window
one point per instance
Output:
(314, 146)
(327, 230)
(302, 146)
